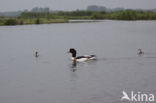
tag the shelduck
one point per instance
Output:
(80, 58)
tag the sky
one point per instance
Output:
(14, 5)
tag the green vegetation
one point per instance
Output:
(42, 21)
(132, 15)
(58, 15)
(99, 15)
(25, 21)
(37, 21)
(10, 22)
(63, 16)
(118, 15)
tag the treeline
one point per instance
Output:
(24, 21)
(64, 16)
(57, 15)
(132, 15)
(117, 15)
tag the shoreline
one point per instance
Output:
(76, 17)
(58, 21)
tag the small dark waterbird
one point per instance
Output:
(140, 52)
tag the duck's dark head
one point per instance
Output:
(73, 52)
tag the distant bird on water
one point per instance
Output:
(140, 52)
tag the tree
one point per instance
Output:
(11, 22)
(37, 21)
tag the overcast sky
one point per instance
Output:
(12, 5)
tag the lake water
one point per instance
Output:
(51, 78)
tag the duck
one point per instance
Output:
(140, 52)
(80, 58)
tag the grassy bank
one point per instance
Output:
(117, 15)
(63, 17)
(25, 21)
(43, 21)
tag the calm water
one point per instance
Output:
(51, 78)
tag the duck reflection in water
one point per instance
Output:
(36, 54)
(73, 68)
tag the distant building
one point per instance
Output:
(1, 17)
(103, 8)
(11, 13)
(37, 9)
(96, 8)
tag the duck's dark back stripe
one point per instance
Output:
(80, 57)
